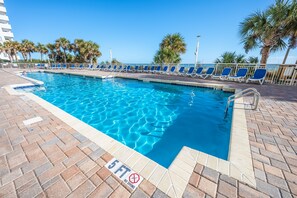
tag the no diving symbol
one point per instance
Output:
(134, 178)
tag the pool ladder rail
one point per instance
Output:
(245, 92)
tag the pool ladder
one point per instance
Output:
(245, 92)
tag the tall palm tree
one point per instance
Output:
(23, 50)
(76, 45)
(52, 51)
(11, 49)
(29, 47)
(94, 52)
(290, 26)
(174, 42)
(42, 50)
(15, 49)
(260, 30)
(166, 56)
(7, 48)
(170, 49)
(64, 44)
(76, 48)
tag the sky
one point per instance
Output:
(133, 29)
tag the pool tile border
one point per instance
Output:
(173, 180)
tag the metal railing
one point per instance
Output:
(243, 93)
(276, 73)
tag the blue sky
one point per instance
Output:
(133, 29)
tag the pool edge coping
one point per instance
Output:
(173, 180)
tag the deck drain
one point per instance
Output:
(32, 120)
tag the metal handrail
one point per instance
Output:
(245, 92)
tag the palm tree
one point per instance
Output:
(64, 44)
(7, 46)
(15, 49)
(166, 56)
(11, 49)
(115, 62)
(29, 47)
(93, 51)
(23, 50)
(170, 49)
(53, 53)
(227, 57)
(252, 59)
(174, 42)
(88, 51)
(291, 28)
(231, 57)
(41, 49)
(76, 47)
(261, 30)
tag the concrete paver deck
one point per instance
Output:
(51, 159)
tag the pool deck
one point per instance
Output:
(52, 159)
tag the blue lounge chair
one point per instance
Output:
(136, 68)
(158, 69)
(97, 67)
(42, 66)
(190, 71)
(90, 67)
(81, 66)
(208, 73)
(101, 67)
(259, 76)
(225, 74)
(172, 70)
(53, 66)
(114, 68)
(128, 69)
(72, 67)
(181, 71)
(164, 71)
(198, 72)
(64, 66)
(119, 69)
(145, 69)
(152, 69)
(38, 66)
(58, 66)
(108, 68)
(240, 76)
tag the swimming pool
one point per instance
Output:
(154, 119)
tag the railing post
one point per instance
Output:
(293, 76)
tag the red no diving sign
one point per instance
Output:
(124, 173)
(134, 178)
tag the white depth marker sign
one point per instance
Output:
(124, 173)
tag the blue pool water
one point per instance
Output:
(155, 119)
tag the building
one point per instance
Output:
(5, 29)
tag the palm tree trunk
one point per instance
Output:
(286, 55)
(265, 54)
(10, 58)
(65, 58)
(91, 60)
(23, 55)
(40, 56)
(30, 57)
